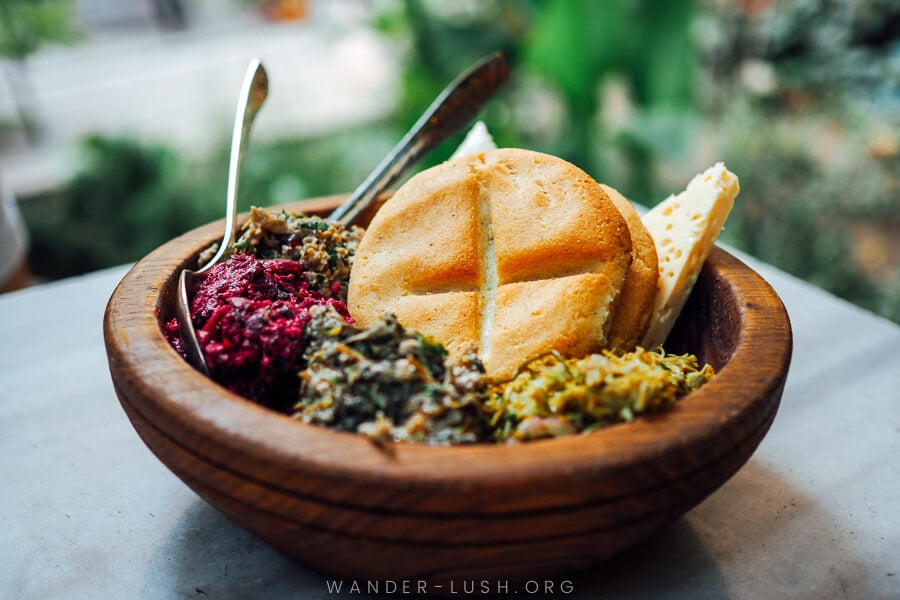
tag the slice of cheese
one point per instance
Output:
(684, 228)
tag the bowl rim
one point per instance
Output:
(239, 435)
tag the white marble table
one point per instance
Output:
(86, 511)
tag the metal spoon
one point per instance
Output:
(454, 107)
(254, 91)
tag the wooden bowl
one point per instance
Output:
(336, 502)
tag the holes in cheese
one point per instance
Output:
(685, 227)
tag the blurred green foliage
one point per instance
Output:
(806, 109)
(796, 212)
(26, 25)
(578, 47)
(127, 198)
(793, 96)
(130, 196)
(564, 49)
(842, 50)
(439, 46)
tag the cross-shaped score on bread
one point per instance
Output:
(511, 252)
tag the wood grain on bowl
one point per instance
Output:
(336, 502)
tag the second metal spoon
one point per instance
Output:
(454, 107)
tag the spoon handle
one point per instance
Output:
(456, 105)
(254, 91)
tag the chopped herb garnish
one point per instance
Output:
(551, 395)
(325, 248)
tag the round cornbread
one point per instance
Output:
(635, 307)
(510, 252)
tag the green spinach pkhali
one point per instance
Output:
(390, 383)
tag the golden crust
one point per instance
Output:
(531, 323)
(444, 316)
(632, 317)
(420, 242)
(511, 251)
